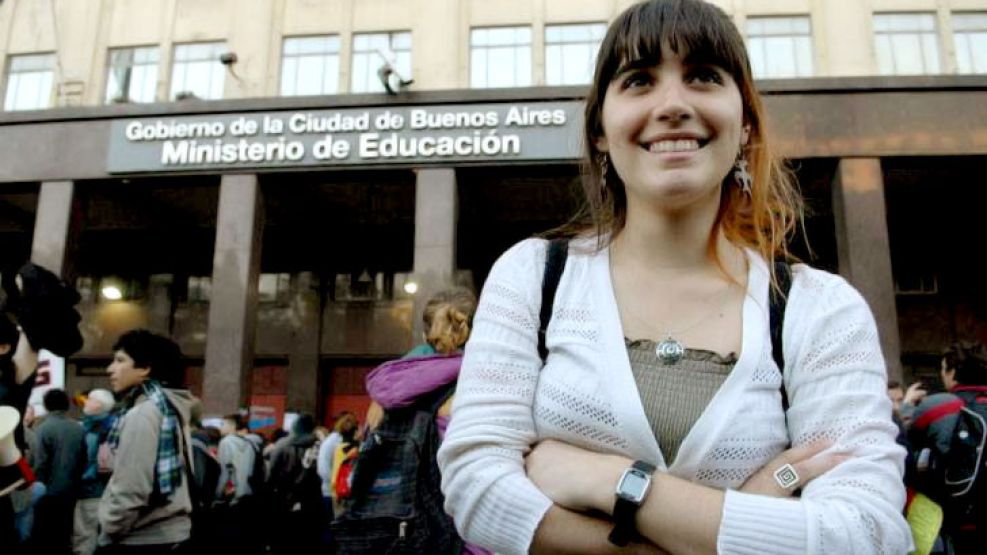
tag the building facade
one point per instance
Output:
(237, 173)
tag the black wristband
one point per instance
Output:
(627, 503)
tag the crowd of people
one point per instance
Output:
(661, 375)
(138, 472)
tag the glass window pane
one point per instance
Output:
(553, 65)
(309, 80)
(143, 83)
(570, 53)
(500, 57)
(885, 61)
(803, 56)
(930, 53)
(500, 67)
(907, 54)
(401, 41)
(780, 46)
(404, 63)
(977, 52)
(906, 44)
(289, 73)
(755, 46)
(781, 62)
(478, 68)
(970, 22)
(29, 91)
(553, 33)
(132, 74)
(330, 79)
(523, 57)
(574, 64)
(970, 36)
(310, 65)
(146, 55)
(197, 70)
(29, 82)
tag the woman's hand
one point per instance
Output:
(807, 462)
(575, 478)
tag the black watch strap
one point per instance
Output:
(624, 512)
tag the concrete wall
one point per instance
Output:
(82, 31)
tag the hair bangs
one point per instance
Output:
(699, 32)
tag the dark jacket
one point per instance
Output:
(285, 477)
(60, 457)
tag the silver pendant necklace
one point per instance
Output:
(670, 350)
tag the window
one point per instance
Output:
(570, 53)
(132, 75)
(197, 71)
(199, 289)
(363, 286)
(29, 82)
(916, 282)
(906, 44)
(369, 50)
(85, 287)
(310, 65)
(274, 288)
(780, 46)
(970, 34)
(500, 57)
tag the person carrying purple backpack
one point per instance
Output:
(406, 392)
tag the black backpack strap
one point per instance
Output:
(779, 299)
(558, 251)
(437, 398)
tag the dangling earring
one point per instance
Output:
(741, 176)
(604, 168)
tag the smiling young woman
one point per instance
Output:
(660, 382)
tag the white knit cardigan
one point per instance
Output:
(586, 395)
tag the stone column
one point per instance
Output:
(303, 361)
(863, 248)
(435, 237)
(233, 306)
(55, 228)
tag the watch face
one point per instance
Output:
(633, 485)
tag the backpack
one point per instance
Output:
(257, 479)
(396, 504)
(304, 492)
(955, 478)
(206, 473)
(342, 480)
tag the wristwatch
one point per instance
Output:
(632, 488)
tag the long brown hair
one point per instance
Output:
(766, 219)
(447, 318)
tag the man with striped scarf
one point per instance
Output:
(147, 507)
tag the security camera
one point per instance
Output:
(392, 80)
(227, 58)
(389, 76)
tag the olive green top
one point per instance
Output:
(675, 395)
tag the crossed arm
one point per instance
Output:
(681, 516)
